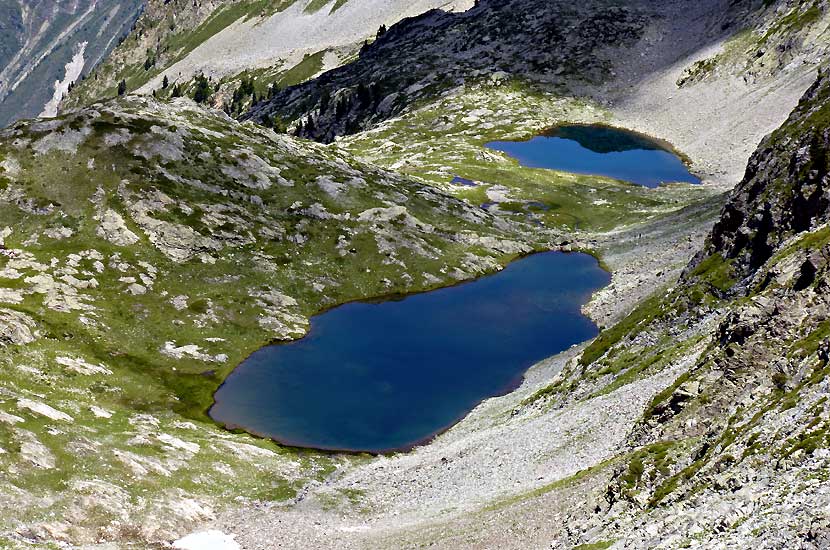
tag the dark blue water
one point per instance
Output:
(386, 376)
(599, 150)
(458, 180)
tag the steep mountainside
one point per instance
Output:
(566, 47)
(425, 55)
(46, 42)
(744, 429)
(711, 77)
(228, 40)
(785, 192)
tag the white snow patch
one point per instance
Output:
(73, 71)
(207, 540)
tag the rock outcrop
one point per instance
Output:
(786, 190)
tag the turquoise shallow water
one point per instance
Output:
(384, 376)
(599, 150)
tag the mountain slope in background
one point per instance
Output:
(651, 62)
(222, 39)
(46, 45)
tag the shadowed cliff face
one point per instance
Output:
(560, 46)
(786, 189)
(422, 56)
(39, 38)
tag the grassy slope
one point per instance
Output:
(437, 140)
(176, 33)
(287, 243)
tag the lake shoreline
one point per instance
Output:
(510, 385)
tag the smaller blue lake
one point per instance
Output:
(385, 376)
(600, 151)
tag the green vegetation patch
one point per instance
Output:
(644, 314)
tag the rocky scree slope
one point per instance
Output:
(595, 49)
(422, 56)
(736, 451)
(777, 200)
(45, 42)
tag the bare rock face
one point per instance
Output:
(115, 230)
(16, 328)
(786, 189)
(424, 55)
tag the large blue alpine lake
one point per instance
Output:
(387, 375)
(600, 150)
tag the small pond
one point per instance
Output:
(388, 375)
(601, 151)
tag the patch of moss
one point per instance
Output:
(715, 271)
(304, 70)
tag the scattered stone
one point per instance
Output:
(7, 418)
(179, 302)
(99, 412)
(191, 351)
(43, 409)
(114, 229)
(59, 233)
(35, 452)
(136, 289)
(80, 366)
(16, 328)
